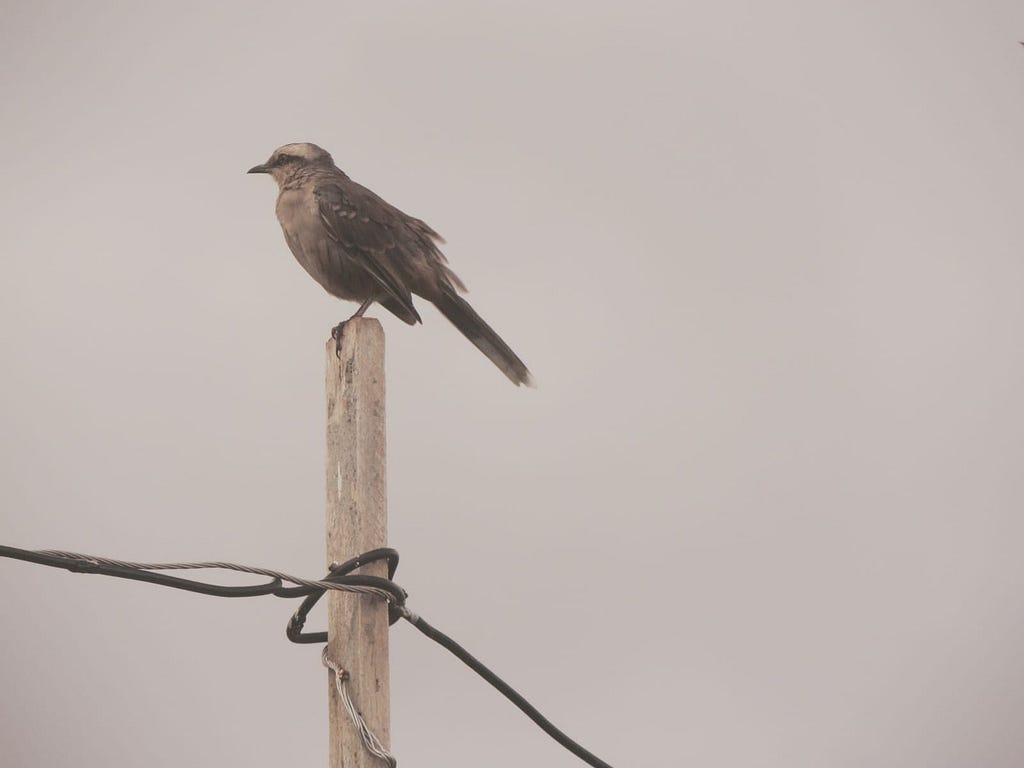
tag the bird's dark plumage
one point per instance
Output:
(360, 247)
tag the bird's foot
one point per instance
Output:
(336, 332)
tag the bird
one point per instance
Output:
(361, 248)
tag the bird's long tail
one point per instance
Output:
(473, 327)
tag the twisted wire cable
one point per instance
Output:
(297, 580)
(369, 738)
(341, 579)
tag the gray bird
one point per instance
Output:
(361, 248)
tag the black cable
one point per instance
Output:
(506, 690)
(298, 620)
(79, 565)
(339, 574)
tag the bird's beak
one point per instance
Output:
(259, 169)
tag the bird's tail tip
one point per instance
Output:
(473, 327)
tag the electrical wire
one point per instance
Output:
(339, 578)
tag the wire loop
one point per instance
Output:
(339, 577)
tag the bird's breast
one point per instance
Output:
(322, 257)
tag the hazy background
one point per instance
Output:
(763, 258)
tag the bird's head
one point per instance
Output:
(290, 158)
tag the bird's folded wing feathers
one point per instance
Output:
(367, 235)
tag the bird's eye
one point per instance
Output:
(282, 159)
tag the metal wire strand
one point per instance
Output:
(313, 583)
(311, 590)
(370, 741)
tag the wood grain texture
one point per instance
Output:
(357, 522)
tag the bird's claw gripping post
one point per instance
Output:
(336, 330)
(336, 335)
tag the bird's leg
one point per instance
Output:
(362, 308)
(336, 330)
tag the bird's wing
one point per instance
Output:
(368, 234)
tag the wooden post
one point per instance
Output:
(357, 625)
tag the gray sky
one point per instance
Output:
(764, 260)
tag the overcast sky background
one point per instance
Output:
(764, 260)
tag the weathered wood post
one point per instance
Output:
(357, 522)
